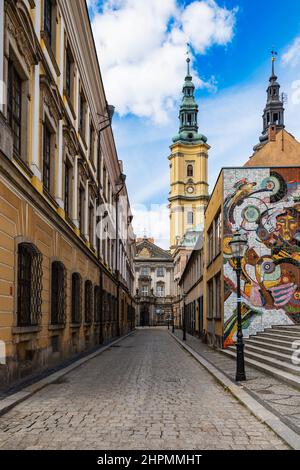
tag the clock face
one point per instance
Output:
(190, 189)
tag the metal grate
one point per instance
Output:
(58, 293)
(76, 298)
(88, 296)
(29, 306)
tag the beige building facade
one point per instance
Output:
(66, 240)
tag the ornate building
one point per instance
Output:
(62, 288)
(153, 283)
(188, 194)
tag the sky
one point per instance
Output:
(141, 46)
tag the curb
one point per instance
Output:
(257, 409)
(11, 401)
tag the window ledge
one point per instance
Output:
(18, 330)
(50, 197)
(87, 325)
(75, 325)
(70, 104)
(56, 327)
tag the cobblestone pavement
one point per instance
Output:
(147, 393)
(278, 396)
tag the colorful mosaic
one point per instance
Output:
(265, 205)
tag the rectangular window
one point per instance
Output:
(160, 290)
(14, 98)
(47, 158)
(210, 292)
(145, 271)
(68, 188)
(82, 116)
(92, 139)
(210, 239)
(160, 272)
(190, 217)
(69, 70)
(217, 284)
(91, 225)
(81, 209)
(48, 7)
(145, 291)
(218, 234)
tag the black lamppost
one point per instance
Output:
(183, 319)
(238, 246)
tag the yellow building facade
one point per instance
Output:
(188, 194)
(66, 266)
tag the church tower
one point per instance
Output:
(188, 193)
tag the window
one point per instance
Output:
(145, 291)
(88, 297)
(81, 209)
(91, 225)
(190, 170)
(145, 271)
(210, 239)
(69, 72)
(160, 272)
(29, 285)
(76, 298)
(210, 293)
(160, 290)
(68, 189)
(190, 218)
(47, 158)
(218, 234)
(217, 296)
(48, 10)
(58, 293)
(82, 116)
(92, 140)
(97, 304)
(14, 99)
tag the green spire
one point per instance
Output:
(188, 113)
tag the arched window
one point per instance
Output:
(88, 297)
(190, 170)
(58, 293)
(29, 285)
(76, 298)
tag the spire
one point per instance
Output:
(273, 116)
(188, 113)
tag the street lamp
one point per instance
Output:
(183, 319)
(238, 246)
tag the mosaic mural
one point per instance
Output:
(265, 205)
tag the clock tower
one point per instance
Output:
(188, 193)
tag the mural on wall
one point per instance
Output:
(265, 205)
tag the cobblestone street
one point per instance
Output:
(144, 393)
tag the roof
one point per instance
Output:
(147, 250)
(284, 150)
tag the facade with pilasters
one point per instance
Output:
(62, 288)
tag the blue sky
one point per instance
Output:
(141, 49)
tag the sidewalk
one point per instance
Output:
(278, 397)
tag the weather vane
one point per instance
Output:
(274, 54)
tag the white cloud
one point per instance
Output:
(292, 55)
(142, 44)
(152, 222)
